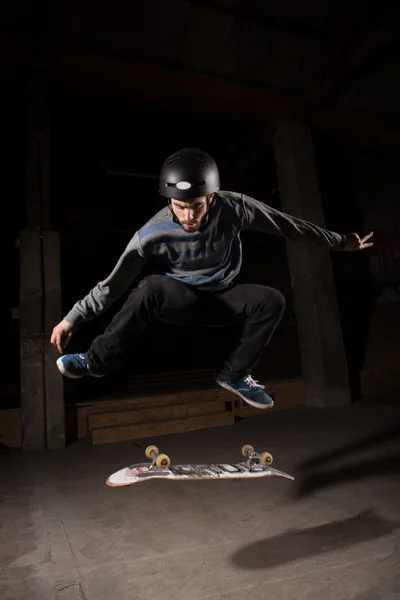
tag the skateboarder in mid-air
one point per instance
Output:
(194, 247)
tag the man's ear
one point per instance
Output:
(211, 198)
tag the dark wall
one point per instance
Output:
(377, 181)
(14, 145)
(360, 191)
(354, 284)
(97, 212)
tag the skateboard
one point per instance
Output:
(256, 465)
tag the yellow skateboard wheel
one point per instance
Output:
(151, 449)
(247, 449)
(163, 461)
(266, 458)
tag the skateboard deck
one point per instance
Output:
(256, 466)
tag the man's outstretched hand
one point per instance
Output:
(354, 242)
(61, 335)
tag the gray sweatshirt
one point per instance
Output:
(208, 259)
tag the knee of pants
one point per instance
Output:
(277, 301)
(280, 302)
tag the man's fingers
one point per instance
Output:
(60, 339)
(56, 340)
(367, 237)
(59, 344)
(367, 245)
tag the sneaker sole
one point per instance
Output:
(64, 372)
(251, 402)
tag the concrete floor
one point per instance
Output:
(334, 533)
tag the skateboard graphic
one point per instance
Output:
(256, 465)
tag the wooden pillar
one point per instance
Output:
(33, 407)
(319, 329)
(42, 398)
(54, 386)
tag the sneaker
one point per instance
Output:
(248, 389)
(74, 366)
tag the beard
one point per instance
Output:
(190, 227)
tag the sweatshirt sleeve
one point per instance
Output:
(260, 217)
(106, 292)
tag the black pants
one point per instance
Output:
(256, 309)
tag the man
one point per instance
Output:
(194, 246)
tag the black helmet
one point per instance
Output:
(187, 174)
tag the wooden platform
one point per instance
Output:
(111, 420)
(132, 414)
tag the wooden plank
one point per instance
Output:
(31, 342)
(54, 385)
(40, 305)
(145, 430)
(132, 417)
(146, 402)
(288, 394)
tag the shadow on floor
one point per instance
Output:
(377, 593)
(298, 544)
(371, 441)
(312, 475)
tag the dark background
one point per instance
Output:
(128, 84)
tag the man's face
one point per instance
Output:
(190, 214)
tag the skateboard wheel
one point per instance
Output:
(266, 458)
(163, 461)
(151, 449)
(247, 449)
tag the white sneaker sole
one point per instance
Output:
(251, 402)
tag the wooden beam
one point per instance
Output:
(95, 71)
(323, 357)
(54, 385)
(99, 70)
(31, 341)
(42, 400)
(246, 13)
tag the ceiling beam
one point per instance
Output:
(246, 13)
(155, 85)
(94, 73)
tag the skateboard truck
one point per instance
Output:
(162, 461)
(265, 458)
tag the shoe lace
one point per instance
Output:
(252, 382)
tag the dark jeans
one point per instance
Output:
(256, 309)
